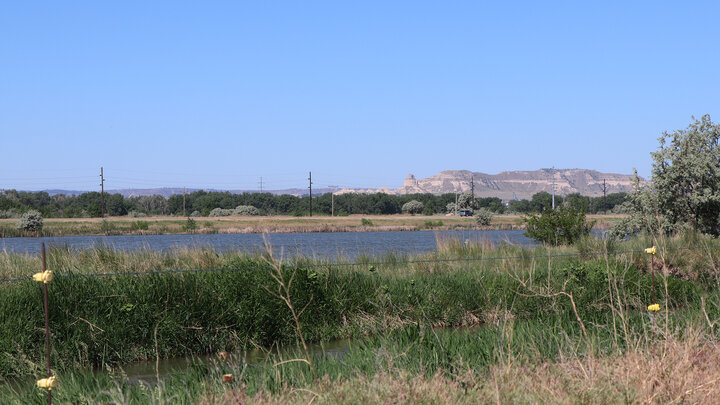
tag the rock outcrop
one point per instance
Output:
(515, 184)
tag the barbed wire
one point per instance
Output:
(355, 264)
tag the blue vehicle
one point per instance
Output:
(466, 213)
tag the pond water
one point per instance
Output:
(319, 245)
(149, 370)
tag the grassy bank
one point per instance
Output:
(543, 305)
(284, 224)
(508, 360)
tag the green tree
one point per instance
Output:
(413, 207)
(686, 176)
(561, 226)
(465, 201)
(484, 216)
(31, 221)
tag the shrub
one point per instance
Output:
(189, 225)
(136, 214)
(220, 212)
(140, 225)
(451, 208)
(561, 226)
(246, 210)
(366, 222)
(107, 227)
(31, 221)
(413, 207)
(484, 216)
(9, 213)
(195, 213)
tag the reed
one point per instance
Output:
(112, 320)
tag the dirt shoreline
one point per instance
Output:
(164, 225)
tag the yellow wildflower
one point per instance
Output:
(44, 277)
(47, 383)
(654, 307)
(651, 250)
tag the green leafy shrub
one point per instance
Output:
(484, 216)
(9, 213)
(136, 214)
(366, 222)
(31, 221)
(561, 226)
(140, 225)
(189, 225)
(195, 213)
(246, 210)
(107, 226)
(413, 207)
(220, 212)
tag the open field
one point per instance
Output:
(269, 224)
(567, 324)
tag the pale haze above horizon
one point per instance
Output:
(221, 94)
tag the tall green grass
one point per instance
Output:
(109, 321)
(465, 356)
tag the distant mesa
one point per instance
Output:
(519, 184)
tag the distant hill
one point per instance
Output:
(168, 191)
(505, 185)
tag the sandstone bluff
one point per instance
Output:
(515, 184)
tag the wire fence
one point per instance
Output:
(363, 263)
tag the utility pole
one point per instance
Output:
(310, 187)
(472, 191)
(456, 203)
(553, 188)
(604, 196)
(102, 193)
(332, 200)
(184, 192)
(261, 184)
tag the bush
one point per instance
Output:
(10, 213)
(562, 226)
(195, 214)
(483, 216)
(366, 222)
(246, 210)
(107, 227)
(141, 225)
(31, 221)
(190, 225)
(413, 207)
(136, 214)
(220, 212)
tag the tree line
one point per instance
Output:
(200, 203)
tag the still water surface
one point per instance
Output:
(320, 245)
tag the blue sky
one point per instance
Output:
(218, 94)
